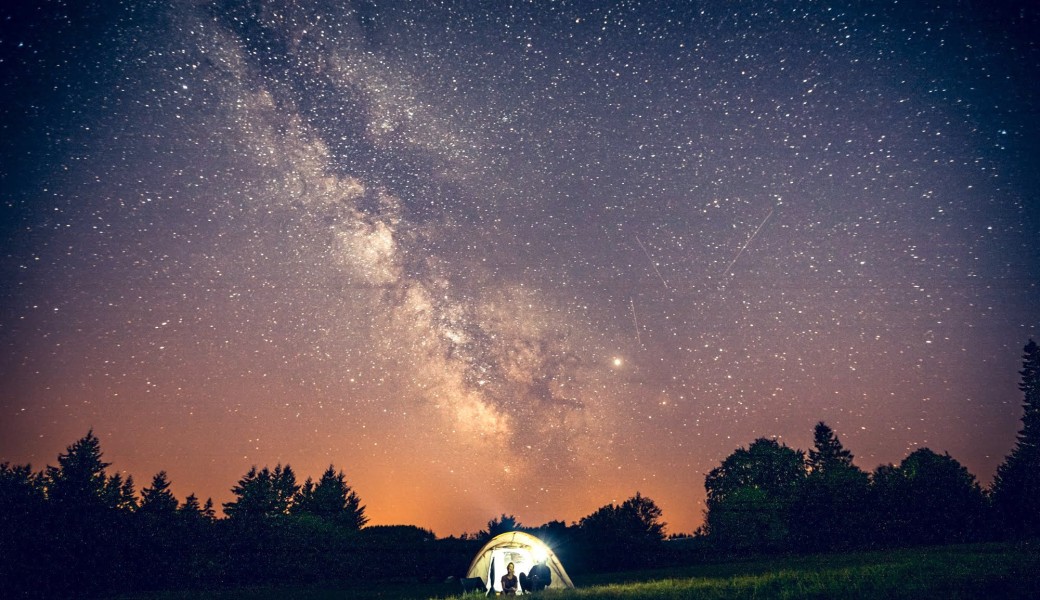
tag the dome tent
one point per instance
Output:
(524, 551)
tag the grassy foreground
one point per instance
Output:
(946, 573)
(977, 571)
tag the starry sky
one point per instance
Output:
(513, 257)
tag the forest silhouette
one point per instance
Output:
(74, 530)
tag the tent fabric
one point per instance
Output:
(524, 551)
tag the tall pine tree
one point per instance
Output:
(121, 493)
(829, 511)
(80, 482)
(331, 499)
(157, 499)
(1016, 485)
(264, 493)
(87, 523)
(827, 453)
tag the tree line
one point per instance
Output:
(74, 530)
(772, 497)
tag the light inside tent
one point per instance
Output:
(522, 558)
(539, 555)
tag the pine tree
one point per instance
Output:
(21, 492)
(1016, 485)
(85, 524)
(208, 511)
(829, 510)
(332, 499)
(24, 544)
(120, 493)
(191, 507)
(828, 452)
(193, 510)
(253, 496)
(80, 482)
(264, 493)
(157, 499)
(284, 488)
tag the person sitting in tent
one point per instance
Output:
(538, 578)
(510, 583)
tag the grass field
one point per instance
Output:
(947, 573)
(986, 571)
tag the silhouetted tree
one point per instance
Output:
(285, 488)
(87, 521)
(21, 492)
(253, 496)
(121, 493)
(928, 499)
(157, 499)
(626, 535)
(23, 545)
(331, 499)
(80, 482)
(750, 496)
(208, 511)
(501, 524)
(191, 509)
(1016, 485)
(830, 510)
(887, 506)
(263, 493)
(827, 452)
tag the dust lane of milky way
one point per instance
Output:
(523, 258)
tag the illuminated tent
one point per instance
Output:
(524, 551)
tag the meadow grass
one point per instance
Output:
(940, 573)
(947, 573)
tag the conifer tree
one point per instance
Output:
(157, 499)
(193, 510)
(263, 493)
(121, 493)
(80, 482)
(827, 453)
(191, 507)
(208, 511)
(253, 496)
(829, 512)
(332, 499)
(284, 488)
(21, 492)
(1016, 485)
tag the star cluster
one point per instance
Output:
(519, 257)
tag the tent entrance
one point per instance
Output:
(522, 558)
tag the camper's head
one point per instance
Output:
(510, 568)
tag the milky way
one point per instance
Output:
(523, 258)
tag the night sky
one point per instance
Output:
(513, 257)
